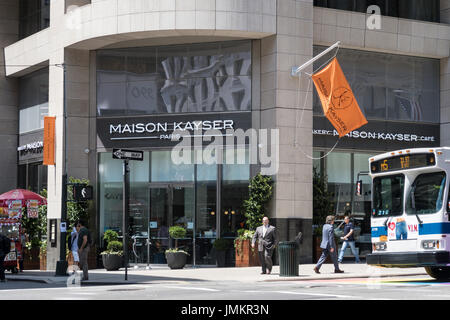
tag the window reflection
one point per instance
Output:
(33, 100)
(34, 16)
(173, 79)
(390, 87)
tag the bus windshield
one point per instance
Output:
(388, 195)
(426, 194)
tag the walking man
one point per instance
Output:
(349, 240)
(328, 246)
(83, 247)
(267, 240)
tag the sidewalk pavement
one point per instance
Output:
(163, 274)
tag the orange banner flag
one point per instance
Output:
(338, 101)
(49, 141)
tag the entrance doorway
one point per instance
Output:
(170, 205)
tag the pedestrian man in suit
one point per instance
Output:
(267, 240)
(328, 246)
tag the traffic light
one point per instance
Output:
(82, 192)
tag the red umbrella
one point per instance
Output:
(21, 194)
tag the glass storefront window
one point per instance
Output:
(164, 170)
(163, 194)
(390, 87)
(210, 77)
(32, 176)
(235, 179)
(425, 10)
(33, 100)
(343, 170)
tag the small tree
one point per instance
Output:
(177, 232)
(322, 198)
(260, 193)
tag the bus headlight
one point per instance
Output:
(380, 246)
(430, 244)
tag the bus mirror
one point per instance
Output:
(448, 206)
(359, 188)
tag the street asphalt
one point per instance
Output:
(162, 274)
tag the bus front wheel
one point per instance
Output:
(439, 273)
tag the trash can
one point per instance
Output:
(288, 258)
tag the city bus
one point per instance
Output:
(410, 214)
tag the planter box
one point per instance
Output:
(112, 262)
(221, 258)
(43, 262)
(31, 259)
(176, 260)
(245, 256)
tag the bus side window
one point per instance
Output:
(448, 205)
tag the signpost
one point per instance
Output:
(126, 155)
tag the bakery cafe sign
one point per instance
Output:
(165, 130)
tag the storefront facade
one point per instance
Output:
(143, 95)
(134, 72)
(399, 95)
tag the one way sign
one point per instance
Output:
(125, 154)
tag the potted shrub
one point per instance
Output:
(176, 258)
(112, 258)
(246, 256)
(221, 246)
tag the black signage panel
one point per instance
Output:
(403, 162)
(158, 130)
(377, 135)
(126, 154)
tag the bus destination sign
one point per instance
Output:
(403, 162)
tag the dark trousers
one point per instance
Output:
(2, 266)
(84, 263)
(323, 257)
(265, 258)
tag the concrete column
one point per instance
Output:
(9, 102)
(284, 99)
(77, 122)
(445, 82)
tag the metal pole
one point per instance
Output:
(148, 241)
(61, 265)
(295, 70)
(126, 200)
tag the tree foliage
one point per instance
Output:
(323, 204)
(260, 193)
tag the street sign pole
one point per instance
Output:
(126, 203)
(126, 155)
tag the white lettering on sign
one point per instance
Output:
(378, 135)
(165, 127)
